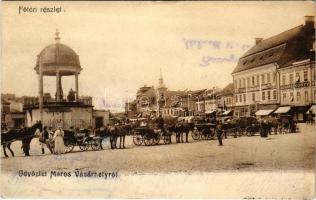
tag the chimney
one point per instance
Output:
(309, 20)
(258, 40)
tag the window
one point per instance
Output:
(274, 94)
(263, 80)
(314, 74)
(269, 95)
(243, 82)
(240, 98)
(291, 97)
(291, 78)
(253, 81)
(253, 97)
(248, 82)
(235, 83)
(298, 96)
(283, 80)
(274, 77)
(314, 95)
(305, 75)
(284, 97)
(297, 76)
(236, 99)
(258, 80)
(306, 96)
(239, 81)
(263, 96)
(244, 97)
(268, 78)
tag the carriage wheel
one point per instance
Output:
(137, 140)
(248, 131)
(195, 135)
(96, 145)
(205, 134)
(84, 146)
(69, 147)
(148, 141)
(167, 139)
(157, 139)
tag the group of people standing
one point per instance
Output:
(54, 141)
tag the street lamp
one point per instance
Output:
(214, 88)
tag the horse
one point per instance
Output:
(115, 132)
(179, 129)
(25, 135)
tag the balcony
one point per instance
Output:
(297, 85)
(33, 102)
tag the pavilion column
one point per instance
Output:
(40, 92)
(77, 87)
(58, 86)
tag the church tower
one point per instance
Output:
(162, 89)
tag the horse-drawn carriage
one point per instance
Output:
(150, 136)
(81, 138)
(205, 131)
(247, 126)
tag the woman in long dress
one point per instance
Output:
(59, 141)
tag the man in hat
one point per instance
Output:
(44, 139)
(219, 132)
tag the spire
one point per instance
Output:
(161, 84)
(161, 74)
(57, 38)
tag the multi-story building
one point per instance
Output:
(225, 97)
(206, 102)
(297, 78)
(257, 78)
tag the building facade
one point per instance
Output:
(225, 97)
(263, 74)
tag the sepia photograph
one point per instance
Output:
(177, 99)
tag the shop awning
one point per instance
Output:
(227, 112)
(210, 111)
(283, 110)
(263, 112)
(312, 109)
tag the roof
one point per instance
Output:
(146, 91)
(58, 54)
(229, 89)
(283, 49)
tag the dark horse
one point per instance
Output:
(179, 129)
(25, 135)
(115, 132)
(120, 132)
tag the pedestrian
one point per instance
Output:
(219, 133)
(44, 140)
(59, 141)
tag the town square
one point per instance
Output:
(149, 97)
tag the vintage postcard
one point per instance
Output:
(158, 99)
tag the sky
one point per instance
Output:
(123, 45)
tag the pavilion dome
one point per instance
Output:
(58, 56)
